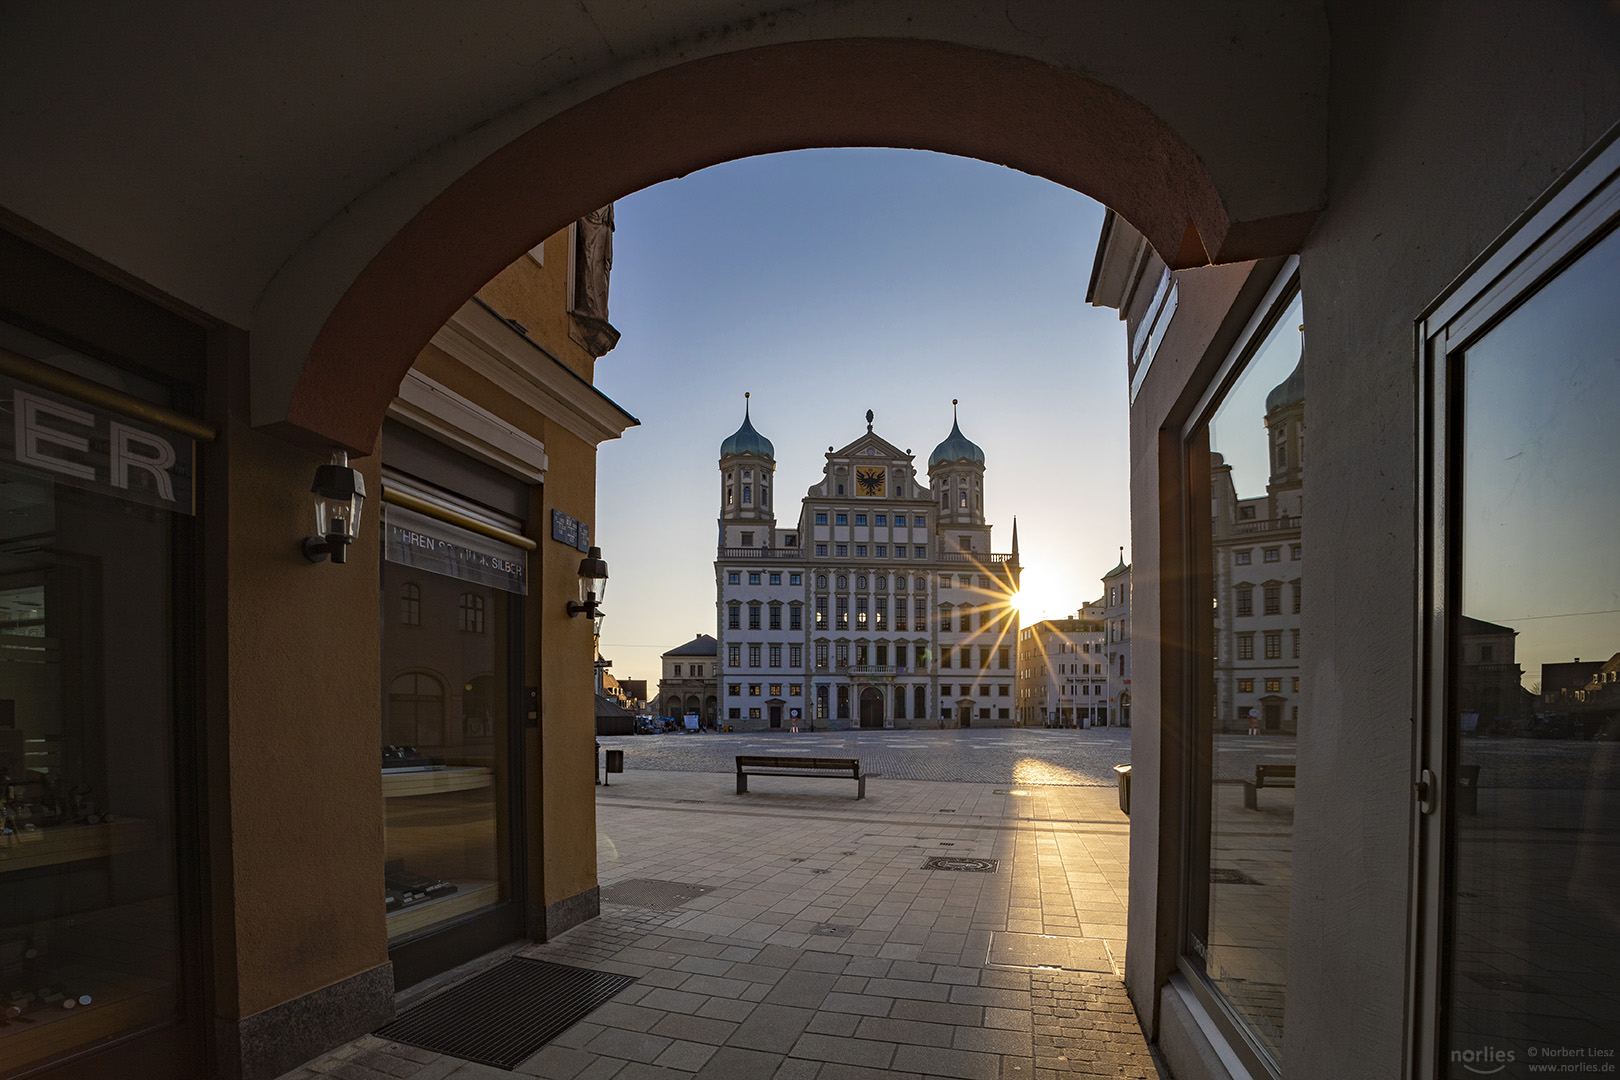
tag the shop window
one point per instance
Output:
(447, 716)
(1236, 913)
(479, 699)
(1521, 371)
(93, 690)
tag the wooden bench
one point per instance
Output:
(798, 766)
(1266, 776)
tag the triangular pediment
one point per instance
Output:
(871, 445)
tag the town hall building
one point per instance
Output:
(883, 607)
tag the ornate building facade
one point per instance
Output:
(882, 607)
(1259, 563)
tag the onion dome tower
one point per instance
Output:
(1285, 428)
(956, 473)
(747, 468)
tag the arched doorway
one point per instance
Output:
(871, 707)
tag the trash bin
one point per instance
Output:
(1468, 789)
(1124, 774)
(615, 761)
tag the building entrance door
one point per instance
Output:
(871, 708)
(1274, 715)
(776, 716)
(964, 715)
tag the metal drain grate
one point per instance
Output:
(1230, 877)
(502, 1016)
(828, 929)
(956, 862)
(653, 893)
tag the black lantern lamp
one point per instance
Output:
(593, 577)
(340, 493)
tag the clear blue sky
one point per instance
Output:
(827, 283)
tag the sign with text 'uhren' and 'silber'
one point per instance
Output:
(412, 539)
(80, 445)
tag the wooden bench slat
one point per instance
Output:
(773, 765)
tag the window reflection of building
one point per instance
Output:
(410, 604)
(1489, 693)
(416, 710)
(1270, 523)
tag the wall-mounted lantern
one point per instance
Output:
(340, 494)
(593, 577)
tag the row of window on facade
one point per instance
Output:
(867, 654)
(469, 615)
(1272, 685)
(788, 540)
(878, 581)
(1271, 597)
(696, 671)
(879, 520)
(827, 696)
(1272, 641)
(1245, 557)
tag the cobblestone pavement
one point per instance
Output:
(974, 756)
(825, 948)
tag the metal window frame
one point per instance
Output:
(1578, 212)
(1197, 736)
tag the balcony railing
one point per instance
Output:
(1268, 525)
(761, 553)
(982, 558)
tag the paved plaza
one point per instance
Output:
(797, 933)
(971, 755)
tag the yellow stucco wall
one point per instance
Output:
(300, 861)
(305, 792)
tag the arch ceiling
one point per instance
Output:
(340, 182)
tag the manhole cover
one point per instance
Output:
(957, 862)
(652, 893)
(1230, 877)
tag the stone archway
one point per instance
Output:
(326, 376)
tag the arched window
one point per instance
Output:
(410, 604)
(472, 613)
(415, 710)
(821, 581)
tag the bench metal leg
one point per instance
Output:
(1250, 797)
(742, 783)
(861, 793)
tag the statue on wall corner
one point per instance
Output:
(593, 264)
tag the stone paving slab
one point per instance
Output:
(825, 950)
